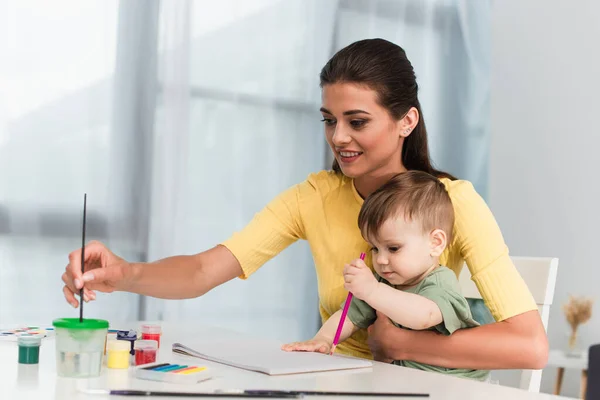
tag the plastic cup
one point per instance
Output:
(29, 349)
(79, 346)
(151, 332)
(118, 354)
(145, 351)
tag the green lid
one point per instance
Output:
(73, 323)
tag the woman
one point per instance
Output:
(375, 128)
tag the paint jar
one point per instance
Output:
(29, 349)
(111, 335)
(151, 332)
(118, 354)
(129, 336)
(145, 351)
(79, 346)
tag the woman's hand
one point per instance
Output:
(316, 344)
(379, 340)
(103, 271)
(518, 342)
(359, 279)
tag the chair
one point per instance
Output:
(540, 276)
(593, 373)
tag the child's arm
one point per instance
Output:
(407, 309)
(323, 340)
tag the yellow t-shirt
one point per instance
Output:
(324, 211)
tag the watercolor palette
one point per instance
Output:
(13, 334)
(174, 373)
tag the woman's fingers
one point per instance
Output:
(74, 269)
(88, 295)
(70, 297)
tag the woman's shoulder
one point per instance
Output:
(326, 180)
(461, 191)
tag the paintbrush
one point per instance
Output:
(82, 257)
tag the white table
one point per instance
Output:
(40, 381)
(560, 360)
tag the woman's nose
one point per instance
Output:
(340, 137)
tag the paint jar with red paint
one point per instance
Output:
(151, 332)
(145, 351)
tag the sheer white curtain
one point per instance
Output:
(253, 130)
(56, 117)
(181, 119)
(448, 43)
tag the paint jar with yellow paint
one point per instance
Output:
(117, 354)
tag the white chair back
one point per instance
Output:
(539, 274)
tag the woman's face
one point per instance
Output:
(364, 138)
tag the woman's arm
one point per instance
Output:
(271, 230)
(178, 277)
(188, 276)
(518, 342)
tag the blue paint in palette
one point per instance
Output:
(174, 373)
(170, 367)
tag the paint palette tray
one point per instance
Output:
(13, 334)
(174, 373)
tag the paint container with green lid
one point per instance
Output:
(29, 349)
(79, 346)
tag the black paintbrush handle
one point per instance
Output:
(191, 394)
(268, 393)
(82, 257)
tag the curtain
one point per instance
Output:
(58, 75)
(252, 130)
(181, 119)
(448, 42)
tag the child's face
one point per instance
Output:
(403, 252)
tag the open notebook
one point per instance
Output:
(266, 357)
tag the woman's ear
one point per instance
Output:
(409, 122)
(438, 240)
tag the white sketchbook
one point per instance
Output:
(267, 357)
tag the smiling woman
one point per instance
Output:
(376, 130)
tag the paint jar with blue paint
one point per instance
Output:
(79, 346)
(29, 348)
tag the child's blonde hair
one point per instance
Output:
(414, 195)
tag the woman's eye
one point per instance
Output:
(393, 249)
(357, 123)
(328, 121)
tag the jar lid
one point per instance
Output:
(29, 340)
(145, 345)
(151, 328)
(118, 345)
(127, 335)
(73, 323)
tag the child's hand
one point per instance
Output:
(359, 279)
(317, 345)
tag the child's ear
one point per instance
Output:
(438, 241)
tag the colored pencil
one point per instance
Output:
(343, 318)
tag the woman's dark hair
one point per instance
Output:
(383, 66)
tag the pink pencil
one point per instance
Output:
(343, 319)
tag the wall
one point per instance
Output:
(545, 140)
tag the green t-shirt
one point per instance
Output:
(441, 287)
